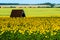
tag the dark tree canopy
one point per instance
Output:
(17, 13)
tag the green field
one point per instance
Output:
(33, 12)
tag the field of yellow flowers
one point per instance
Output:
(30, 28)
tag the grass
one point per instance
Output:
(50, 24)
(33, 12)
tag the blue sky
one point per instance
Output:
(29, 1)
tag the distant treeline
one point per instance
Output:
(50, 5)
(26, 4)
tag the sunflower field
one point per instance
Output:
(30, 28)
